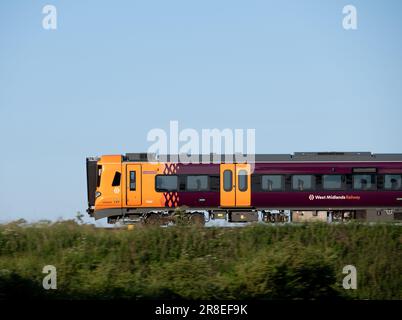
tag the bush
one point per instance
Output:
(254, 262)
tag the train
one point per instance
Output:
(303, 186)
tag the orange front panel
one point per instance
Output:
(110, 193)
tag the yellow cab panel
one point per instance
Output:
(108, 190)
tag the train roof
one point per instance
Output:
(296, 157)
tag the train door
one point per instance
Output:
(133, 185)
(235, 185)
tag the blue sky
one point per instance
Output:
(114, 70)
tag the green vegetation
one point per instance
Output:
(254, 262)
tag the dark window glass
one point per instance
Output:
(133, 181)
(242, 176)
(116, 179)
(332, 181)
(303, 182)
(392, 181)
(214, 183)
(99, 175)
(227, 180)
(363, 182)
(166, 183)
(271, 182)
(182, 183)
(197, 183)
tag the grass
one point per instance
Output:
(255, 262)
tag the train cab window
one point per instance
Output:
(303, 182)
(392, 181)
(227, 180)
(332, 181)
(363, 182)
(166, 183)
(116, 179)
(271, 182)
(197, 183)
(99, 175)
(133, 181)
(242, 176)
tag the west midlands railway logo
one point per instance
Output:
(333, 197)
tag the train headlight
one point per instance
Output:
(97, 194)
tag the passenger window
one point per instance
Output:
(166, 183)
(116, 179)
(197, 183)
(271, 182)
(332, 181)
(133, 181)
(242, 176)
(303, 182)
(392, 181)
(363, 182)
(227, 180)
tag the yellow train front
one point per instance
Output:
(321, 186)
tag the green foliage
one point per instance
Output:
(254, 262)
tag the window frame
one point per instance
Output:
(343, 182)
(246, 180)
(99, 175)
(197, 175)
(313, 183)
(117, 176)
(167, 175)
(274, 190)
(373, 184)
(130, 180)
(231, 180)
(392, 174)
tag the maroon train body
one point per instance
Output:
(300, 187)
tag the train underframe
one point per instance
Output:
(271, 216)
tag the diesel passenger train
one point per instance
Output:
(328, 186)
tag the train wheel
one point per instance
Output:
(197, 219)
(153, 219)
